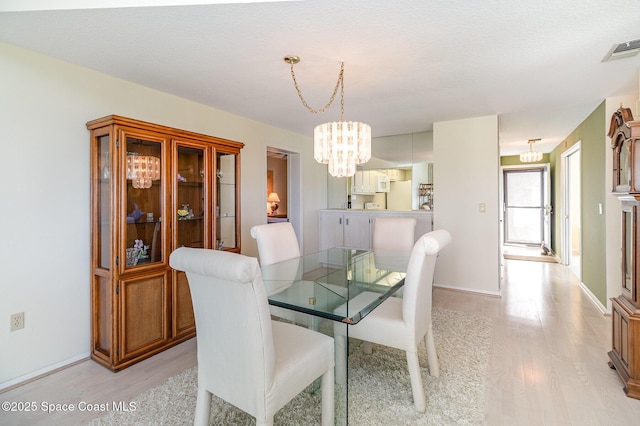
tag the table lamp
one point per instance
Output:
(274, 200)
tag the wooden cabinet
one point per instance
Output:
(625, 340)
(153, 189)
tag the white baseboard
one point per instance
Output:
(593, 298)
(468, 290)
(43, 371)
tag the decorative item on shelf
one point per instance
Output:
(340, 144)
(219, 244)
(219, 174)
(183, 213)
(105, 169)
(142, 169)
(135, 215)
(142, 248)
(189, 212)
(425, 193)
(181, 178)
(274, 200)
(137, 252)
(133, 254)
(531, 156)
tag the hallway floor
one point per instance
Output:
(549, 351)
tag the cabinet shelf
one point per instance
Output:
(194, 184)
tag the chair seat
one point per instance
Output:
(295, 346)
(384, 325)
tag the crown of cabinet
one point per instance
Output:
(625, 134)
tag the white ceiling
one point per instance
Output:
(407, 63)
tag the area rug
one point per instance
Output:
(379, 391)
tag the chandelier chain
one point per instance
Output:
(339, 83)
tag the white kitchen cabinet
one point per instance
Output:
(396, 174)
(357, 231)
(354, 228)
(344, 229)
(364, 182)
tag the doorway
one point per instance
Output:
(571, 200)
(284, 177)
(526, 207)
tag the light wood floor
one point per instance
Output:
(548, 362)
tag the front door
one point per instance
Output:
(526, 206)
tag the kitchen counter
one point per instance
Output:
(354, 227)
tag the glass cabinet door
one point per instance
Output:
(627, 247)
(189, 196)
(225, 201)
(144, 201)
(103, 195)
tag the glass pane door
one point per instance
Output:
(524, 206)
(190, 197)
(103, 193)
(144, 201)
(628, 230)
(226, 201)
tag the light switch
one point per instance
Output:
(600, 208)
(482, 208)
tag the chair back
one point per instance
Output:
(418, 284)
(276, 242)
(394, 233)
(234, 334)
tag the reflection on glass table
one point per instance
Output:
(319, 283)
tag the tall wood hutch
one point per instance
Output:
(625, 353)
(153, 189)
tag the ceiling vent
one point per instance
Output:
(623, 50)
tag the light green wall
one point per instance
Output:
(592, 134)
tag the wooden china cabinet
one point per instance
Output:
(153, 189)
(625, 353)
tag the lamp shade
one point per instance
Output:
(273, 198)
(342, 145)
(531, 156)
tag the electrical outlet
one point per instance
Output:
(16, 321)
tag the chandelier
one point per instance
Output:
(340, 144)
(531, 156)
(142, 169)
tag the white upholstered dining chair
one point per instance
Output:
(394, 233)
(401, 322)
(276, 242)
(245, 358)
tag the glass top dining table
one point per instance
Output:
(319, 288)
(322, 284)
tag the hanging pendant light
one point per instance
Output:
(531, 156)
(340, 144)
